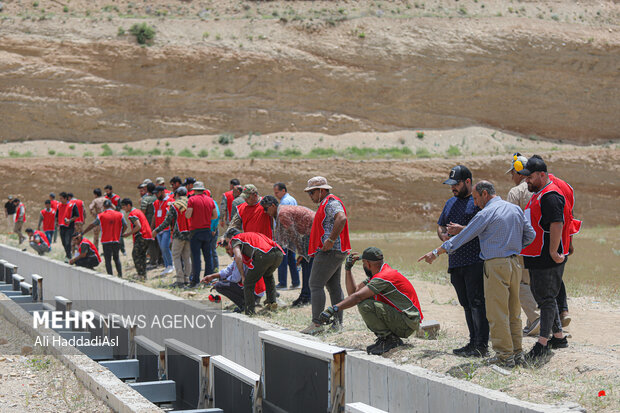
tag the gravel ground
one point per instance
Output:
(36, 382)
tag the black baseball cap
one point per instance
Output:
(159, 188)
(372, 254)
(534, 164)
(189, 180)
(457, 174)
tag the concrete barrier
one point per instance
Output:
(372, 380)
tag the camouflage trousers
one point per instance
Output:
(139, 254)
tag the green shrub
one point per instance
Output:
(88, 153)
(143, 32)
(203, 153)
(422, 153)
(72, 147)
(120, 32)
(290, 152)
(65, 9)
(322, 152)
(226, 139)
(107, 151)
(419, 134)
(453, 151)
(154, 152)
(186, 153)
(229, 153)
(129, 151)
(16, 154)
(51, 152)
(269, 153)
(169, 151)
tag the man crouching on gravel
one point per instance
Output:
(386, 301)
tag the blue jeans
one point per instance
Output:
(200, 243)
(214, 258)
(163, 238)
(50, 236)
(306, 269)
(289, 261)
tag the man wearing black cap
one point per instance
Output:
(464, 265)
(386, 300)
(545, 257)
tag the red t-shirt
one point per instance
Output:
(202, 208)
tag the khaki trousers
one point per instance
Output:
(18, 230)
(502, 277)
(181, 257)
(528, 303)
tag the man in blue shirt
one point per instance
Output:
(503, 232)
(290, 260)
(229, 284)
(464, 265)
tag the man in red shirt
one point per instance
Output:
(38, 241)
(141, 231)
(201, 213)
(262, 256)
(47, 218)
(89, 255)
(112, 224)
(387, 301)
(251, 217)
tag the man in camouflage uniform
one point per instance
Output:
(146, 206)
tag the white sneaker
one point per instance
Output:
(168, 270)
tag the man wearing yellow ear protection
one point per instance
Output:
(520, 196)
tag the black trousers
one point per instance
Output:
(65, 237)
(469, 286)
(110, 251)
(545, 285)
(88, 262)
(232, 291)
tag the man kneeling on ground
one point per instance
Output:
(89, 255)
(386, 301)
(230, 284)
(38, 241)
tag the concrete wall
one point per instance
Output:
(372, 380)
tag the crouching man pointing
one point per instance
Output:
(386, 301)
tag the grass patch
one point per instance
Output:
(226, 139)
(87, 154)
(422, 153)
(107, 151)
(204, 153)
(169, 152)
(186, 153)
(17, 154)
(154, 152)
(229, 153)
(51, 152)
(453, 151)
(129, 151)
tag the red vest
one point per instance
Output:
(115, 199)
(229, 200)
(92, 247)
(317, 232)
(80, 207)
(48, 219)
(61, 213)
(182, 222)
(111, 223)
(256, 241)
(161, 209)
(43, 237)
(255, 219)
(535, 215)
(569, 198)
(54, 204)
(145, 228)
(18, 212)
(402, 284)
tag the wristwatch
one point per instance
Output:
(435, 253)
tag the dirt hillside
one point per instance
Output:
(70, 71)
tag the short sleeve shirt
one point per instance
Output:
(552, 210)
(461, 211)
(332, 208)
(10, 207)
